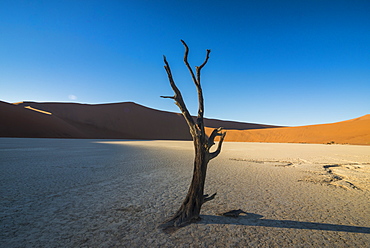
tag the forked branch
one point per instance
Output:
(196, 80)
(214, 154)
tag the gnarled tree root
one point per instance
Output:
(186, 215)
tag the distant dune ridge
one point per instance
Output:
(129, 120)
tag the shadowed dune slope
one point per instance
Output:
(354, 131)
(17, 121)
(115, 121)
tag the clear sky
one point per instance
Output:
(274, 62)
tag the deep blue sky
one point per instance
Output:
(274, 62)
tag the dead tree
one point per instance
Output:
(190, 208)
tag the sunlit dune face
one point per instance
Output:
(355, 131)
(38, 110)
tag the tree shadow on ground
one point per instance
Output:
(251, 219)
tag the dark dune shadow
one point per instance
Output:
(255, 220)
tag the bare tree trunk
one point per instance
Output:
(190, 208)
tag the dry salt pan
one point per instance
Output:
(93, 193)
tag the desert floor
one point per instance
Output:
(95, 193)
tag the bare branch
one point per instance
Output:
(178, 98)
(209, 198)
(199, 68)
(205, 61)
(214, 134)
(199, 88)
(215, 153)
(187, 63)
(171, 97)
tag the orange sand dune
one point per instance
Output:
(115, 121)
(355, 131)
(132, 121)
